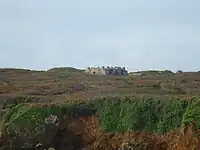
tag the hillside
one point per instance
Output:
(59, 85)
(144, 109)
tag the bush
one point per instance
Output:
(28, 124)
(172, 115)
(192, 113)
(33, 117)
(118, 114)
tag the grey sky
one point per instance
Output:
(42, 34)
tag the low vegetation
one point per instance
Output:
(116, 115)
(61, 107)
(64, 69)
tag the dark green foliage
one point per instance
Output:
(172, 115)
(192, 113)
(157, 86)
(118, 114)
(179, 71)
(33, 117)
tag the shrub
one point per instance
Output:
(179, 71)
(172, 115)
(119, 114)
(192, 114)
(116, 114)
(34, 117)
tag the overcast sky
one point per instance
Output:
(140, 35)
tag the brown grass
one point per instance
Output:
(62, 86)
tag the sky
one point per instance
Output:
(139, 35)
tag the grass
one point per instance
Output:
(63, 82)
(59, 85)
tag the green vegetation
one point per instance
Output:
(192, 114)
(32, 118)
(145, 113)
(64, 69)
(154, 72)
(7, 121)
(3, 115)
(117, 114)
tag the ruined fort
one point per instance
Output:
(117, 71)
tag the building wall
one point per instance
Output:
(118, 71)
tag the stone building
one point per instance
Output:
(117, 71)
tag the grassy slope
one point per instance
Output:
(61, 84)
